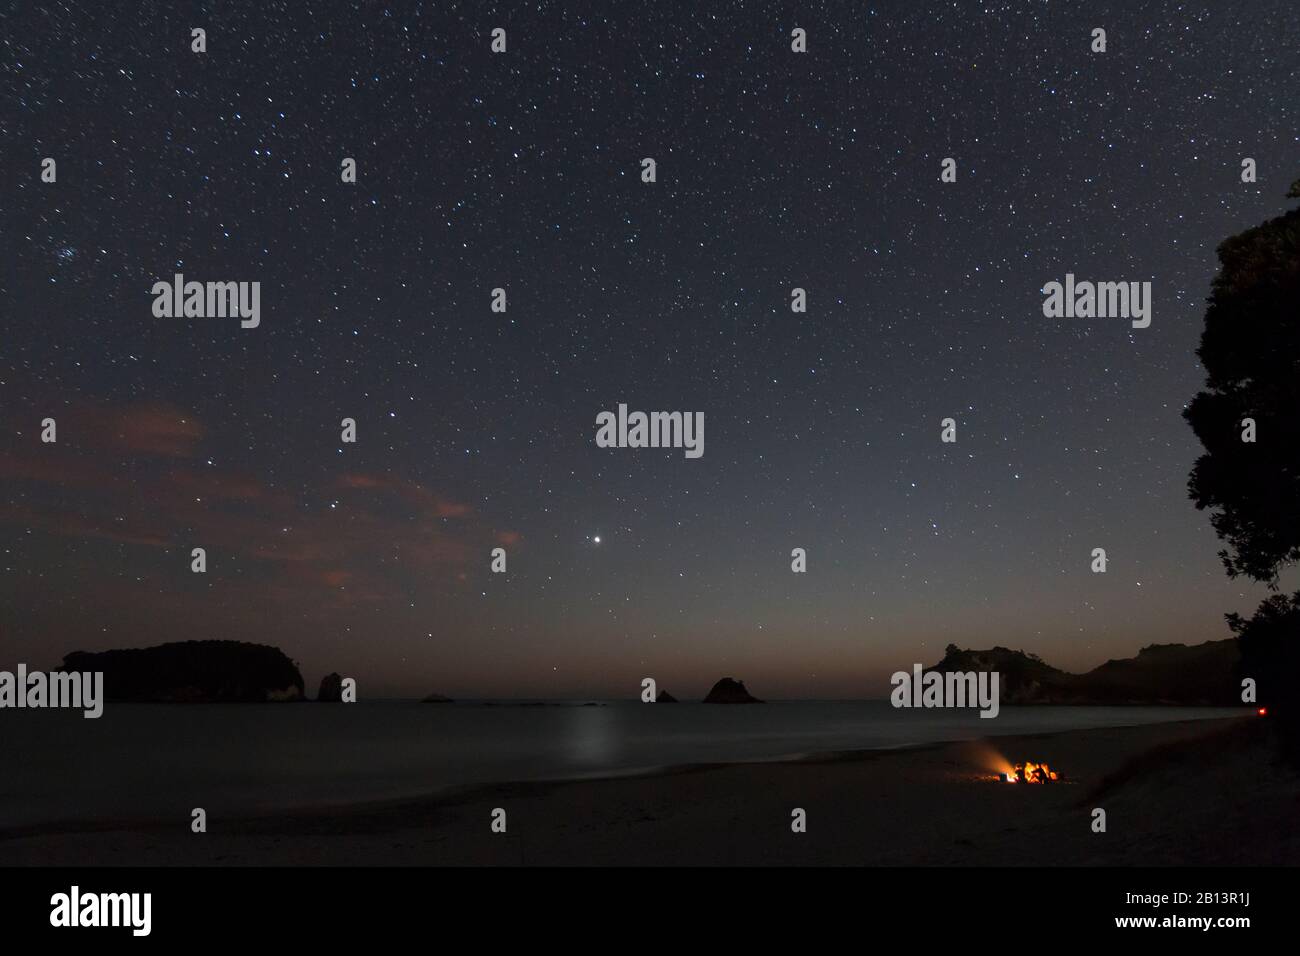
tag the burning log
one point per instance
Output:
(1029, 772)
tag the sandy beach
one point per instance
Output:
(1198, 792)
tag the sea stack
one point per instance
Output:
(665, 698)
(730, 691)
(331, 689)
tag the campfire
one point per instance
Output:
(1029, 772)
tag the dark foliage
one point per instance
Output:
(1270, 653)
(1251, 353)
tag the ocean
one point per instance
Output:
(159, 761)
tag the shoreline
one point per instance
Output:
(272, 796)
(933, 803)
(452, 793)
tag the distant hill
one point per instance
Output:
(194, 671)
(1197, 675)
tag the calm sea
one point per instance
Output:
(143, 761)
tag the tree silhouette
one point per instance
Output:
(1249, 477)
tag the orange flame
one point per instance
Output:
(1030, 772)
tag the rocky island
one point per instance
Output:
(193, 672)
(730, 691)
(331, 689)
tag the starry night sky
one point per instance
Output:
(476, 429)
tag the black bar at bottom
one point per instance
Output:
(334, 905)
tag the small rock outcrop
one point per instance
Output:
(665, 698)
(331, 689)
(437, 699)
(730, 691)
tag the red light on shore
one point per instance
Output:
(1263, 712)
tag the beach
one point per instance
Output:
(1189, 792)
